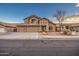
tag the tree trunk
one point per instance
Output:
(61, 27)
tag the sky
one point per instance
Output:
(17, 12)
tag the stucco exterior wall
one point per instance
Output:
(52, 27)
(43, 22)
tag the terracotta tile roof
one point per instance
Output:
(73, 24)
(21, 24)
(32, 16)
(38, 18)
(9, 24)
(1, 25)
(69, 17)
(69, 24)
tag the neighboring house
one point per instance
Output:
(72, 26)
(73, 23)
(36, 24)
(2, 28)
(70, 22)
(7, 27)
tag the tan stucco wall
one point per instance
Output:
(53, 27)
(43, 22)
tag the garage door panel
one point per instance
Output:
(33, 28)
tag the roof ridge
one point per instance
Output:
(32, 16)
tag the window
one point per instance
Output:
(34, 21)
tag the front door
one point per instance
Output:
(15, 30)
(43, 28)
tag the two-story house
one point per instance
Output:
(35, 24)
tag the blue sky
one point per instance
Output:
(17, 12)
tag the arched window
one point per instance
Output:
(34, 21)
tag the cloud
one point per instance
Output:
(76, 13)
(77, 5)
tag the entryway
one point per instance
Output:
(43, 28)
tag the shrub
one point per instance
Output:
(43, 31)
(67, 32)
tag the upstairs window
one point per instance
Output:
(34, 21)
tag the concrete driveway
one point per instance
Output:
(20, 35)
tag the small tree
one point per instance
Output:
(59, 15)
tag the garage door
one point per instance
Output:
(2, 30)
(33, 28)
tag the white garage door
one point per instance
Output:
(2, 30)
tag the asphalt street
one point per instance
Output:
(39, 47)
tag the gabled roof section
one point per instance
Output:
(32, 16)
(48, 20)
(45, 19)
(39, 18)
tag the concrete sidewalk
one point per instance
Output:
(61, 37)
(35, 35)
(58, 35)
